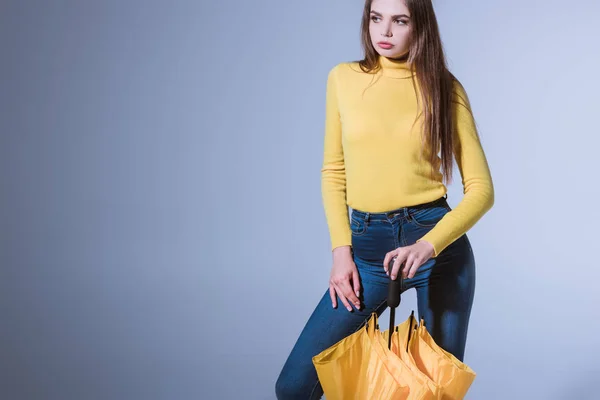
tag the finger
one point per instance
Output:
(414, 267)
(386, 261)
(340, 293)
(408, 266)
(347, 290)
(394, 272)
(400, 260)
(356, 283)
(333, 296)
(356, 286)
(391, 264)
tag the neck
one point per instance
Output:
(395, 67)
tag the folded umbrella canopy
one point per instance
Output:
(404, 365)
(452, 376)
(362, 366)
(403, 335)
(359, 367)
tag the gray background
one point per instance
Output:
(162, 233)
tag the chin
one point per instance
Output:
(390, 53)
(394, 53)
(383, 52)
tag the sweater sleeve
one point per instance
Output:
(477, 182)
(333, 171)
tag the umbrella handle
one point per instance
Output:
(393, 300)
(410, 328)
(394, 286)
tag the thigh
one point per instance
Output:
(445, 291)
(327, 326)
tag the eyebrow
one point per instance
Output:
(393, 16)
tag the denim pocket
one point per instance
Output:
(358, 226)
(427, 217)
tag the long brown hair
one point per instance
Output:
(428, 62)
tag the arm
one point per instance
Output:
(476, 178)
(333, 172)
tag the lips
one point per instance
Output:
(385, 45)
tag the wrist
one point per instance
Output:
(428, 245)
(342, 251)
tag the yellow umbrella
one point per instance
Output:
(401, 334)
(452, 376)
(361, 366)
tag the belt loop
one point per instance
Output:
(406, 213)
(445, 195)
(367, 215)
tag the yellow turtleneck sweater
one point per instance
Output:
(372, 157)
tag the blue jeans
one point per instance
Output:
(445, 287)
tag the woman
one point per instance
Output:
(384, 116)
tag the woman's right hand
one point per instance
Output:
(344, 280)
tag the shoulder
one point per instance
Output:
(459, 93)
(345, 70)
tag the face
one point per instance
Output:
(390, 27)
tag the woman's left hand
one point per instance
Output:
(412, 257)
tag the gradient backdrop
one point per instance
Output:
(161, 228)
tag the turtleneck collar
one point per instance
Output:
(395, 68)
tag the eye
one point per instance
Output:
(402, 21)
(373, 18)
